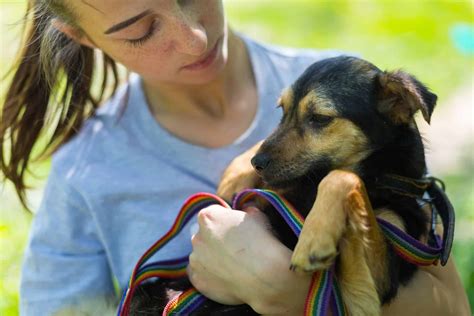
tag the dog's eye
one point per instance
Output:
(318, 120)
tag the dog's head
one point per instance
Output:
(338, 113)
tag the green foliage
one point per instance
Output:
(414, 35)
(460, 191)
(14, 225)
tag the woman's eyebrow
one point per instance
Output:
(117, 27)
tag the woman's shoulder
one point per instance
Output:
(287, 63)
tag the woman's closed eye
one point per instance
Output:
(138, 42)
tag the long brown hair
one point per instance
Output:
(49, 95)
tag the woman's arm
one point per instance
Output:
(236, 259)
(434, 290)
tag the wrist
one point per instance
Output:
(281, 291)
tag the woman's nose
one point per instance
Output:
(191, 37)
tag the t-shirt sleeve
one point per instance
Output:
(65, 264)
(290, 63)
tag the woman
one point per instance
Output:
(199, 96)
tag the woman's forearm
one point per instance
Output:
(433, 291)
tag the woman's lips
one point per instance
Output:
(206, 61)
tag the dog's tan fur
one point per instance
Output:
(347, 152)
(286, 98)
(307, 103)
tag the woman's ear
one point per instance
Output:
(72, 32)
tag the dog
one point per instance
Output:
(346, 124)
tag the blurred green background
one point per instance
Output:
(430, 39)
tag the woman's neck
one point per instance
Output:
(211, 100)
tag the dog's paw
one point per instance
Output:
(314, 252)
(239, 175)
(235, 181)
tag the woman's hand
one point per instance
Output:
(237, 260)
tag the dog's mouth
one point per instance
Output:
(280, 178)
(290, 174)
(274, 172)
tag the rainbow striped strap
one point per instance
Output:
(184, 303)
(337, 303)
(323, 293)
(324, 289)
(282, 206)
(409, 248)
(169, 268)
(189, 300)
(406, 246)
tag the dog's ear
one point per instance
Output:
(400, 95)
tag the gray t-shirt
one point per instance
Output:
(116, 187)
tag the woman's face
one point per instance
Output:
(171, 41)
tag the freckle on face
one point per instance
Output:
(158, 59)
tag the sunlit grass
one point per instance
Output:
(414, 35)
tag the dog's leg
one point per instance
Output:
(342, 219)
(362, 269)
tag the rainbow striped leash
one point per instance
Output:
(409, 248)
(324, 291)
(188, 300)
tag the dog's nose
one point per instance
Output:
(260, 161)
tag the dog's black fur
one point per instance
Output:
(382, 109)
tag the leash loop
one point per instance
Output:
(168, 268)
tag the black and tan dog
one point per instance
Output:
(346, 125)
(344, 113)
